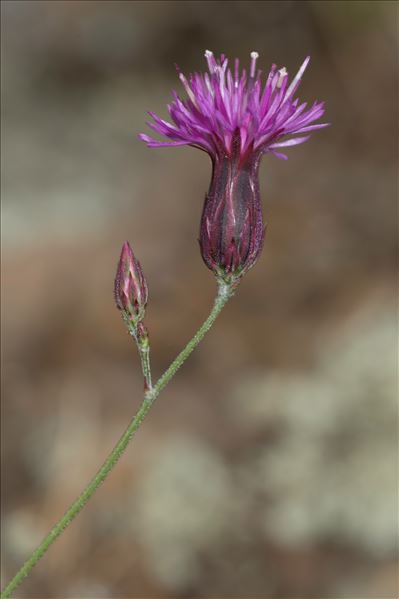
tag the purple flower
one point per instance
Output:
(235, 119)
(131, 292)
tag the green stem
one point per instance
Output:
(224, 293)
(140, 335)
(144, 351)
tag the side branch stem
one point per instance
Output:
(144, 352)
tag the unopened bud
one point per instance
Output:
(131, 291)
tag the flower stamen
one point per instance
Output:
(254, 58)
(282, 75)
(210, 60)
(225, 100)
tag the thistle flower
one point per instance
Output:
(131, 291)
(235, 119)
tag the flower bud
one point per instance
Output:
(232, 230)
(131, 291)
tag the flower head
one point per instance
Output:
(224, 106)
(131, 291)
(235, 119)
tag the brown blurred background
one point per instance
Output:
(267, 469)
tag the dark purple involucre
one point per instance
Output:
(232, 231)
(235, 119)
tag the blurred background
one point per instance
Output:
(267, 469)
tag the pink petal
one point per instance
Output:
(290, 142)
(312, 127)
(295, 82)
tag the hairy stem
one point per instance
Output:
(144, 351)
(140, 335)
(224, 293)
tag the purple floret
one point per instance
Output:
(222, 106)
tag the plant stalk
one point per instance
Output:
(225, 291)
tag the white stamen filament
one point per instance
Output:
(282, 74)
(210, 60)
(254, 58)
